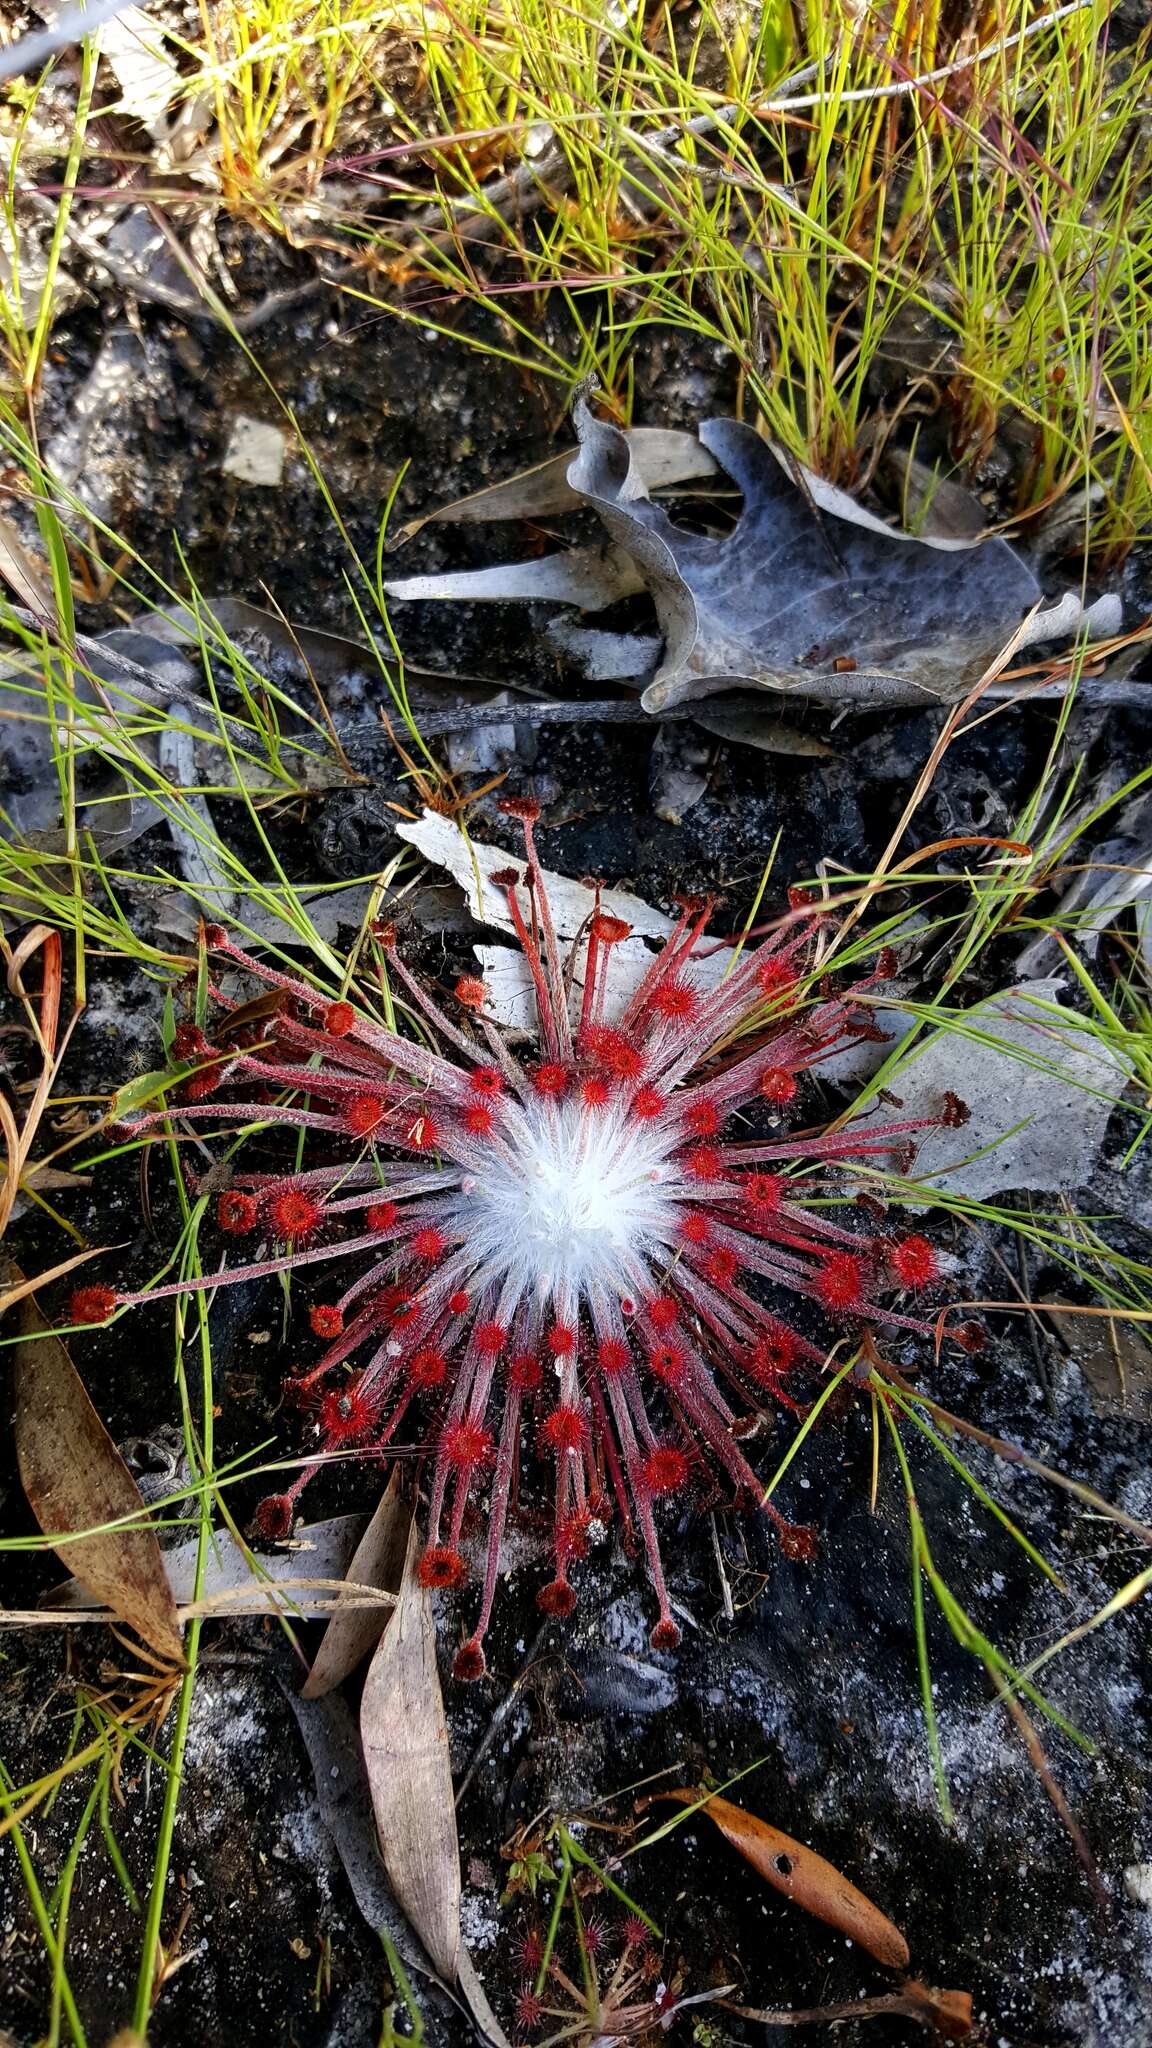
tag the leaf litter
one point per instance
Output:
(310, 1577)
(802, 1875)
(76, 1481)
(378, 1560)
(1041, 1089)
(404, 1734)
(509, 995)
(874, 616)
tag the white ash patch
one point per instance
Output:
(255, 452)
(479, 1921)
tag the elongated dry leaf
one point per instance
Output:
(329, 1734)
(75, 1479)
(23, 574)
(378, 1561)
(405, 1737)
(10, 1295)
(802, 1875)
(663, 456)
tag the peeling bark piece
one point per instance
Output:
(810, 594)
(802, 1875)
(75, 1480)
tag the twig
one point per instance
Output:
(503, 1709)
(903, 86)
(521, 191)
(75, 25)
(718, 1554)
(616, 711)
(1043, 1770)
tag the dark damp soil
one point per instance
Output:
(811, 1685)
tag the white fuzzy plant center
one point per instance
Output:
(571, 1204)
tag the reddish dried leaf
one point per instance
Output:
(75, 1479)
(802, 1875)
(405, 1737)
(378, 1561)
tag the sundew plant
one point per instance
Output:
(593, 1249)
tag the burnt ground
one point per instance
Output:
(814, 1680)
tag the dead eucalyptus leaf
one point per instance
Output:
(663, 456)
(329, 1734)
(342, 1793)
(404, 1733)
(804, 1876)
(75, 1479)
(355, 1629)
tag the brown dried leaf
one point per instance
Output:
(405, 1737)
(25, 576)
(10, 1295)
(75, 1479)
(802, 1875)
(355, 1629)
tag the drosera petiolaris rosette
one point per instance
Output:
(583, 1254)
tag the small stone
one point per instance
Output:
(255, 451)
(1138, 1884)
